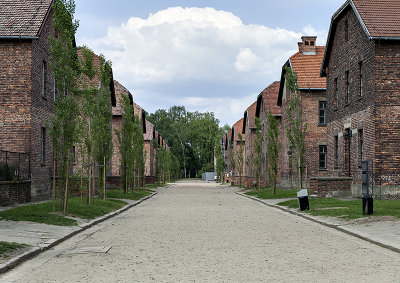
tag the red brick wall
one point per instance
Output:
(330, 186)
(359, 113)
(15, 98)
(42, 109)
(116, 156)
(149, 161)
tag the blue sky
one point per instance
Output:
(208, 55)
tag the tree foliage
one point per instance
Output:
(296, 129)
(258, 152)
(190, 135)
(273, 149)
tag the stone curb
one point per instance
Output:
(337, 227)
(37, 250)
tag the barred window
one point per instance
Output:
(360, 146)
(336, 152)
(43, 146)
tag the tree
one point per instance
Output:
(101, 123)
(240, 158)
(273, 149)
(295, 130)
(258, 150)
(125, 140)
(65, 69)
(138, 152)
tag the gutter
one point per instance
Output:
(19, 37)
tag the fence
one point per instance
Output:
(14, 166)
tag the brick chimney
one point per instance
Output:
(308, 45)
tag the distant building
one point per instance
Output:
(306, 64)
(234, 148)
(249, 130)
(267, 103)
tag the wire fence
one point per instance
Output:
(14, 166)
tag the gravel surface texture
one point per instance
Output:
(202, 232)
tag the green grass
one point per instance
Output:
(136, 195)
(156, 185)
(347, 209)
(267, 194)
(43, 212)
(6, 248)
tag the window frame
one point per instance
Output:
(322, 106)
(336, 153)
(361, 80)
(44, 79)
(323, 149)
(43, 146)
(347, 80)
(360, 146)
(335, 81)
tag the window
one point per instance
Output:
(336, 152)
(361, 90)
(312, 43)
(322, 157)
(346, 30)
(336, 93)
(360, 146)
(307, 43)
(44, 78)
(43, 146)
(347, 98)
(322, 112)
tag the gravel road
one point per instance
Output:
(200, 232)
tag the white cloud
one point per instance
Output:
(185, 44)
(202, 58)
(228, 108)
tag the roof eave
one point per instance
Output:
(281, 85)
(310, 88)
(18, 37)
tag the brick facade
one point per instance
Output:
(24, 110)
(249, 130)
(363, 126)
(306, 65)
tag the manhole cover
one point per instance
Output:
(90, 250)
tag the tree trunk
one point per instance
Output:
(104, 180)
(54, 180)
(66, 186)
(89, 184)
(93, 180)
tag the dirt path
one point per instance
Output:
(197, 232)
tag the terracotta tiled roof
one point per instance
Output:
(148, 136)
(270, 96)
(22, 17)
(381, 17)
(237, 128)
(307, 68)
(119, 90)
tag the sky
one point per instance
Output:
(207, 55)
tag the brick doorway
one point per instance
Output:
(347, 153)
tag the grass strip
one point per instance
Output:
(135, 195)
(347, 209)
(6, 248)
(43, 212)
(267, 194)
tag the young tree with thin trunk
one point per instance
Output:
(125, 140)
(258, 151)
(273, 149)
(240, 158)
(65, 69)
(295, 130)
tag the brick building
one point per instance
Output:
(27, 86)
(249, 130)
(266, 103)
(117, 111)
(234, 148)
(149, 136)
(362, 64)
(306, 64)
